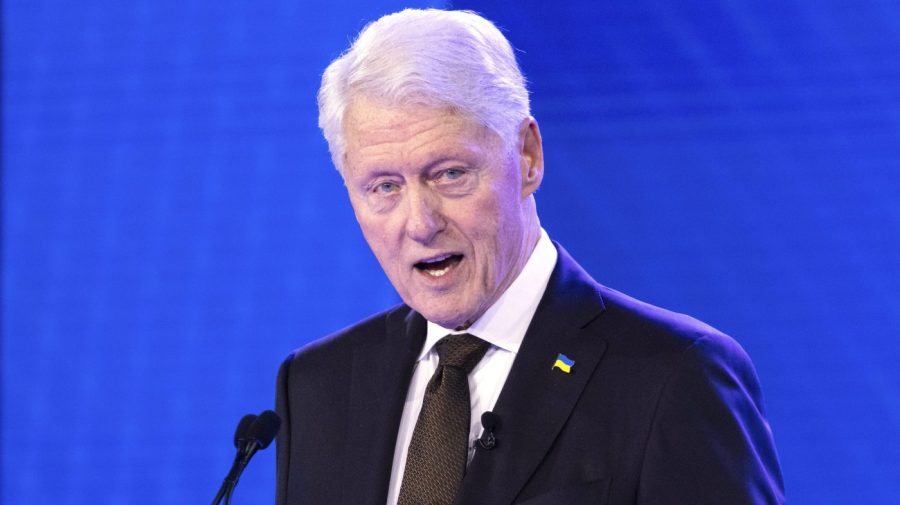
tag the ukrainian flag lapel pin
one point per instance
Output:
(563, 363)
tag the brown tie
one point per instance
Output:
(439, 449)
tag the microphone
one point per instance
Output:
(240, 434)
(490, 422)
(253, 433)
(263, 430)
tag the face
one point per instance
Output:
(445, 206)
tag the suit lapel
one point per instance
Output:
(536, 400)
(382, 368)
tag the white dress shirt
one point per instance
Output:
(503, 325)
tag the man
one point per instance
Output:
(596, 397)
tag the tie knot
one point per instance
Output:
(461, 351)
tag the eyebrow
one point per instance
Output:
(380, 172)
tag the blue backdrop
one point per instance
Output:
(172, 226)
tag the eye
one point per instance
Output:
(451, 174)
(455, 180)
(385, 187)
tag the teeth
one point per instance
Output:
(438, 273)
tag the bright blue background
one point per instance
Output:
(172, 226)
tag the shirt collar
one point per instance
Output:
(504, 323)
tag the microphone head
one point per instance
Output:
(489, 420)
(243, 428)
(264, 428)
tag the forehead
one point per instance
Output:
(370, 121)
(375, 131)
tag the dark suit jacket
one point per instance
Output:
(659, 408)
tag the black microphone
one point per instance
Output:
(243, 427)
(252, 434)
(490, 422)
(263, 430)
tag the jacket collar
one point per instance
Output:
(537, 399)
(382, 368)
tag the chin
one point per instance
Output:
(444, 316)
(447, 320)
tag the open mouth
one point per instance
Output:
(438, 266)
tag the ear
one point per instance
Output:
(531, 156)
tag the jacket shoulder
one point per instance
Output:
(641, 324)
(337, 347)
(624, 322)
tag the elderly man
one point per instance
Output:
(591, 396)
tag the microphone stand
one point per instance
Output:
(246, 451)
(253, 433)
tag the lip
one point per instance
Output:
(435, 258)
(448, 275)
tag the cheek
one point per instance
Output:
(499, 218)
(371, 235)
(506, 234)
(375, 227)
(492, 231)
(384, 244)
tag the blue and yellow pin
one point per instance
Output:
(563, 363)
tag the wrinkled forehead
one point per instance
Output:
(375, 130)
(360, 105)
(374, 118)
(372, 115)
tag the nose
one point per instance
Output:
(424, 219)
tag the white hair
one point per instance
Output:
(437, 58)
